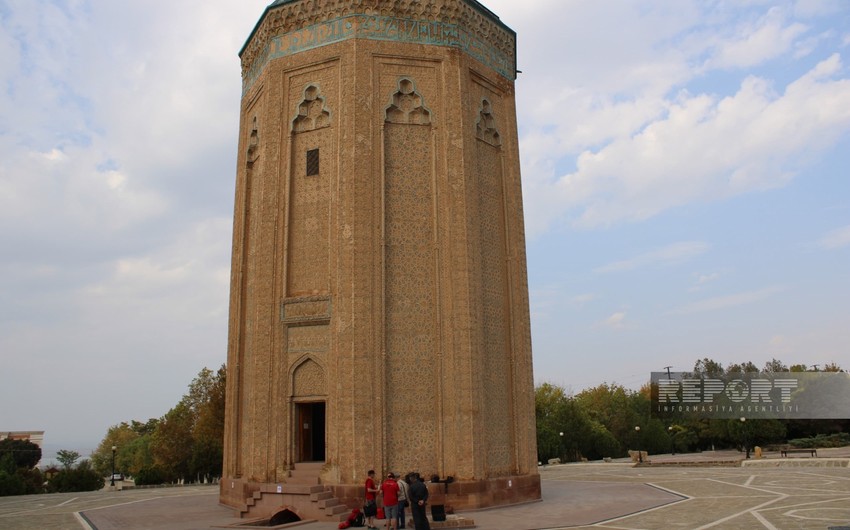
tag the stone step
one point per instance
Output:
(327, 494)
(327, 503)
(313, 466)
(295, 489)
(303, 489)
(338, 509)
(303, 479)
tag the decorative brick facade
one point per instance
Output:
(379, 305)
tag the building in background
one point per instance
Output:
(379, 312)
(36, 437)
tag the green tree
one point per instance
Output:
(708, 367)
(208, 431)
(549, 402)
(11, 482)
(601, 443)
(172, 443)
(745, 368)
(654, 437)
(135, 456)
(186, 443)
(617, 409)
(683, 439)
(119, 436)
(774, 366)
(25, 454)
(67, 457)
(81, 478)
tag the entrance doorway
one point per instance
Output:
(310, 432)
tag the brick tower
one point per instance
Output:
(379, 306)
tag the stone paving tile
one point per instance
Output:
(585, 496)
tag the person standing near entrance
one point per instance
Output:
(418, 501)
(370, 509)
(389, 489)
(403, 496)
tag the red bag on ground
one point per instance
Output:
(380, 513)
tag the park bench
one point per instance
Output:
(785, 452)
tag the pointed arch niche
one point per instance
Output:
(410, 274)
(486, 127)
(309, 401)
(311, 113)
(312, 167)
(494, 286)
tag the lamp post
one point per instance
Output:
(640, 455)
(672, 434)
(744, 435)
(562, 446)
(112, 476)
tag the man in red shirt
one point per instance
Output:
(389, 489)
(371, 507)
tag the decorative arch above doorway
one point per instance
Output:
(309, 397)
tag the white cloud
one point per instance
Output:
(627, 141)
(616, 320)
(670, 254)
(704, 279)
(753, 43)
(727, 301)
(838, 238)
(780, 345)
(707, 148)
(582, 299)
(192, 271)
(117, 146)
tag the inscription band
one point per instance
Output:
(384, 29)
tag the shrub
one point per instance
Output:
(822, 440)
(82, 478)
(11, 484)
(149, 476)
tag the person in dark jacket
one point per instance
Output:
(418, 500)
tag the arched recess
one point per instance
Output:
(311, 113)
(309, 401)
(410, 278)
(486, 127)
(407, 106)
(308, 198)
(286, 516)
(495, 308)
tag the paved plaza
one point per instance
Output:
(710, 490)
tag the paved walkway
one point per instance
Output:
(773, 494)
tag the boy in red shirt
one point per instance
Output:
(371, 507)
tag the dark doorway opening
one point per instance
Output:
(284, 517)
(310, 428)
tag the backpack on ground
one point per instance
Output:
(356, 519)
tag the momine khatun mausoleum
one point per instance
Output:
(379, 312)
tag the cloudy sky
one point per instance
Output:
(685, 171)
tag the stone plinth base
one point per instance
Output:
(453, 521)
(457, 496)
(462, 494)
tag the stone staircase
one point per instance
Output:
(302, 493)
